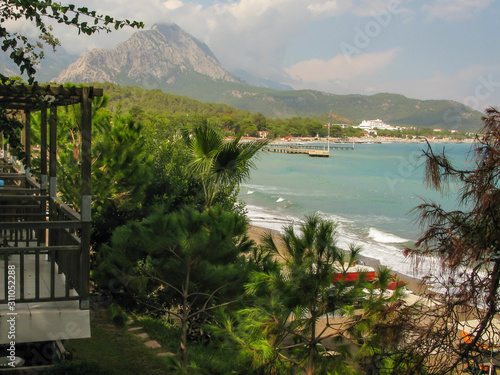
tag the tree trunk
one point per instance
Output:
(312, 345)
(185, 317)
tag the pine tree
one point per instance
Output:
(184, 263)
(467, 244)
(281, 331)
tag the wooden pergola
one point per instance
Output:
(35, 226)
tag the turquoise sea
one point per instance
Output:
(370, 192)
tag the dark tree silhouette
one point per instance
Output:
(466, 242)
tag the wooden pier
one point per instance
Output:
(300, 148)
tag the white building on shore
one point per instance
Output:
(375, 124)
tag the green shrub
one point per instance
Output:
(116, 315)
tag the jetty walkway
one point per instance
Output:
(309, 149)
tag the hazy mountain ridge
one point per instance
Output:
(167, 58)
(394, 109)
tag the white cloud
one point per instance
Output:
(173, 4)
(328, 8)
(22, 26)
(252, 35)
(340, 69)
(453, 10)
(367, 8)
(476, 86)
(147, 11)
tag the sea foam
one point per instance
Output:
(387, 253)
(383, 237)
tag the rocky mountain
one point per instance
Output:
(164, 56)
(167, 58)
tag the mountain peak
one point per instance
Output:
(165, 53)
(165, 26)
(175, 33)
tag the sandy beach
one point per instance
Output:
(414, 285)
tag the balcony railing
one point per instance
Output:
(40, 237)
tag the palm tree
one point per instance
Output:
(222, 165)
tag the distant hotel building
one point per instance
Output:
(375, 124)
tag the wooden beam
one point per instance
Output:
(23, 97)
(22, 198)
(12, 176)
(24, 214)
(73, 224)
(33, 250)
(18, 190)
(21, 206)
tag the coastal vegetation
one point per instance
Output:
(169, 241)
(170, 246)
(298, 319)
(180, 254)
(220, 165)
(171, 112)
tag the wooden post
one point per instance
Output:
(52, 152)
(43, 168)
(52, 171)
(86, 195)
(6, 151)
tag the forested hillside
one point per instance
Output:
(394, 109)
(173, 112)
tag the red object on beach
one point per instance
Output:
(392, 286)
(352, 273)
(353, 276)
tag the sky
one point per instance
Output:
(435, 49)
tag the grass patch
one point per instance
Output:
(116, 350)
(211, 359)
(77, 367)
(168, 335)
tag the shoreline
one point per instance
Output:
(369, 140)
(413, 284)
